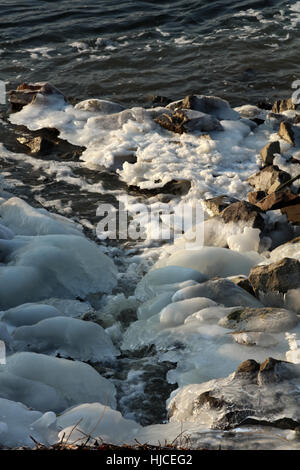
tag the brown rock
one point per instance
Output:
(292, 212)
(283, 105)
(46, 141)
(243, 283)
(37, 145)
(187, 120)
(243, 212)
(256, 196)
(280, 276)
(26, 93)
(264, 179)
(268, 152)
(278, 200)
(217, 204)
(249, 366)
(286, 132)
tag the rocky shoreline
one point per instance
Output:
(250, 301)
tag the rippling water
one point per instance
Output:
(126, 50)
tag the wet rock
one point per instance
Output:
(266, 395)
(278, 200)
(256, 196)
(243, 283)
(248, 367)
(174, 187)
(243, 212)
(272, 371)
(286, 132)
(279, 276)
(185, 120)
(268, 152)
(264, 105)
(283, 105)
(265, 179)
(37, 145)
(159, 101)
(217, 204)
(211, 105)
(45, 142)
(27, 92)
(269, 319)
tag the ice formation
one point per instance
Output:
(46, 266)
(45, 382)
(98, 421)
(68, 337)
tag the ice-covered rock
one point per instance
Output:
(211, 261)
(69, 307)
(18, 423)
(6, 233)
(270, 319)
(176, 313)
(23, 219)
(250, 112)
(166, 278)
(255, 338)
(291, 249)
(28, 314)
(222, 291)
(99, 422)
(68, 337)
(48, 383)
(256, 394)
(154, 305)
(99, 106)
(55, 265)
(212, 105)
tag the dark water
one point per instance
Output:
(126, 50)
